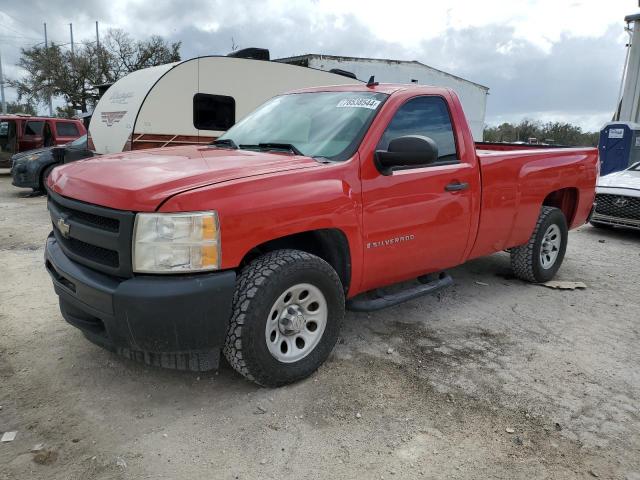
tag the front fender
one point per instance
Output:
(255, 210)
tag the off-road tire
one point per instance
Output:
(258, 286)
(525, 260)
(192, 361)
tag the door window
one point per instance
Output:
(67, 129)
(34, 127)
(426, 116)
(213, 112)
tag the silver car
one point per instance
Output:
(618, 199)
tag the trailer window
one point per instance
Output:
(67, 129)
(213, 112)
(34, 127)
(427, 116)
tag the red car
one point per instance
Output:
(253, 246)
(19, 133)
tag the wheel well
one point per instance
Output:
(566, 199)
(42, 173)
(329, 244)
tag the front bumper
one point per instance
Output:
(162, 320)
(26, 173)
(616, 221)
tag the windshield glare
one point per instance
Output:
(80, 142)
(319, 124)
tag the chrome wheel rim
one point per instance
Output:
(550, 248)
(296, 323)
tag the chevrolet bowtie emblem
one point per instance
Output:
(63, 227)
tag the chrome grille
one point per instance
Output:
(94, 236)
(619, 206)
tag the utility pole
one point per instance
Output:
(629, 104)
(73, 52)
(46, 46)
(98, 60)
(4, 103)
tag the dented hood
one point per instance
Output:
(141, 181)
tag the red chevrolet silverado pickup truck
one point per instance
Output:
(253, 245)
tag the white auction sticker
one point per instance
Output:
(616, 133)
(359, 103)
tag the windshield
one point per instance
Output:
(4, 129)
(319, 124)
(80, 142)
(635, 168)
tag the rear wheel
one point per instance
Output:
(287, 312)
(541, 257)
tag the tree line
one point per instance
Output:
(55, 71)
(553, 133)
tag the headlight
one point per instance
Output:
(176, 242)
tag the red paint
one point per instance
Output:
(261, 196)
(26, 141)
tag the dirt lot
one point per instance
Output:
(493, 378)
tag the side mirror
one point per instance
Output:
(406, 151)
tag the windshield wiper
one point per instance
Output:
(224, 142)
(323, 159)
(280, 146)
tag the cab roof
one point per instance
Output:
(387, 88)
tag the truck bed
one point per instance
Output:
(488, 147)
(516, 179)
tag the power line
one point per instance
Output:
(12, 29)
(17, 20)
(18, 36)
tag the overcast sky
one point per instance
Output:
(542, 59)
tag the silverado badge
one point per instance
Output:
(63, 227)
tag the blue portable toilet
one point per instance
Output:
(619, 146)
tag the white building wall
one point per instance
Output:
(472, 96)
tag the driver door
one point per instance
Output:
(415, 220)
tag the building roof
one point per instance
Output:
(309, 56)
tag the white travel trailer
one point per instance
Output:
(193, 101)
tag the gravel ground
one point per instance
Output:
(493, 378)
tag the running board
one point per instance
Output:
(377, 300)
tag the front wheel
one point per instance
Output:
(540, 258)
(287, 312)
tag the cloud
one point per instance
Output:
(541, 62)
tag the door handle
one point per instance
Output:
(456, 186)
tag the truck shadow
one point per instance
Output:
(610, 233)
